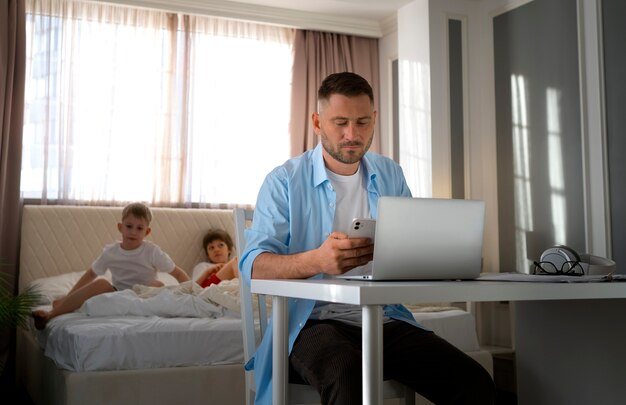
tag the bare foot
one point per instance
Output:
(41, 318)
(57, 302)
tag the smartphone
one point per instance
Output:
(362, 228)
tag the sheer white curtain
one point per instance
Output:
(130, 104)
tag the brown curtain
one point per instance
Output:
(316, 55)
(12, 73)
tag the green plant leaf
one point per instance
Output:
(15, 310)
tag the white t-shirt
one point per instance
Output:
(130, 267)
(352, 202)
(351, 199)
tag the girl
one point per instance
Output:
(220, 266)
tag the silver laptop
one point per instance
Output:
(425, 239)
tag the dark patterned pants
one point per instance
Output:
(327, 355)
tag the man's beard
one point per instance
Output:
(349, 157)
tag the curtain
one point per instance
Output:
(12, 45)
(316, 55)
(127, 104)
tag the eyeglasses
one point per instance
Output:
(569, 268)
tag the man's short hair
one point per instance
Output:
(345, 83)
(138, 210)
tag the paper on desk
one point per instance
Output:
(542, 278)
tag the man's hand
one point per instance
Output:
(339, 253)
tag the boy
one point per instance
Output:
(131, 261)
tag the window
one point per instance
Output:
(130, 104)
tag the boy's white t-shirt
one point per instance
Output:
(130, 267)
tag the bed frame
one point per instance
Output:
(63, 239)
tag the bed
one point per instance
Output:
(163, 358)
(194, 360)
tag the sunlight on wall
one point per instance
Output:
(521, 170)
(555, 161)
(415, 127)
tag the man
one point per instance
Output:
(302, 212)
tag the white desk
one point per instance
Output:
(372, 295)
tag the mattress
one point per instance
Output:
(77, 342)
(175, 326)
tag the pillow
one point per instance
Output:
(52, 288)
(58, 286)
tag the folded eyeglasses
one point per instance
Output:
(568, 268)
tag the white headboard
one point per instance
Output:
(61, 239)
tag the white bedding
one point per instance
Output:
(185, 300)
(177, 325)
(78, 342)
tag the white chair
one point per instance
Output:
(253, 331)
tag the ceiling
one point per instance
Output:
(376, 10)
(357, 17)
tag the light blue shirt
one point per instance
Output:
(294, 213)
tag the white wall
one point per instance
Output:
(479, 108)
(388, 52)
(422, 38)
(414, 105)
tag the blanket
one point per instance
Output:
(187, 299)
